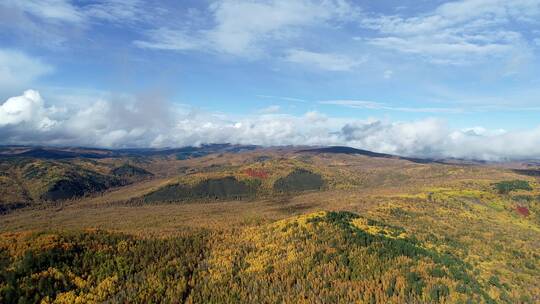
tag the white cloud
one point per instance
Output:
(324, 61)
(432, 138)
(459, 32)
(245, 28)
(28, 111)
(316, 117)
(241, 25)
(150, 121)
(19, 70)
(481, 131)
(425, 137)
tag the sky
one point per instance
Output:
(413, 77)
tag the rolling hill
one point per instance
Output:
(28, 181)
(266, 225)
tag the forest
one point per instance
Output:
(267, 226)
(321, 257)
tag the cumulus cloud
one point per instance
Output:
(27, 110)
(315, 117)
(149, 121)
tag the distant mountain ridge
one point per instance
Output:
(59, 153)
(354, 151)
(43, 152)
(346, 150)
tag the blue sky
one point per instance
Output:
(471, 66)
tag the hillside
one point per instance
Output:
(268, 225)
(29, 181)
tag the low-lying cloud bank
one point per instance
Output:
(141, 122)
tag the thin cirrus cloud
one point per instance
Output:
(248, 28)
(121, 11)
(323, 61)
(136, 123)
(284, 98)
(19, 70)
(371, 105)
(53, 11)
(454, 33)
(53, 23)
(67, 12)
(171, 40)
(459, 32)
